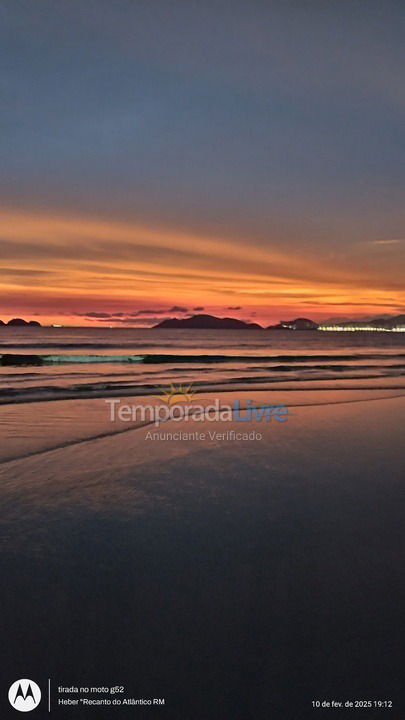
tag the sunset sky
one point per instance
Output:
(164, 158)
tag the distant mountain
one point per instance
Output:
(207, 322)
(19, 322)
(386, 323)
(391, 322)
(297, 324)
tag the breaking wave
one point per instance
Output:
(20, 359)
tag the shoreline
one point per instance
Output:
(70, 422)
(220, 387)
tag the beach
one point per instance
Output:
(233, 579)
(202, 360)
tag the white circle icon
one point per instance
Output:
(24, 695)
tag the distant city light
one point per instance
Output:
(356, 328)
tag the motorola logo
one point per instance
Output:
(24, 695)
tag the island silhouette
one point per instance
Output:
(207, 322)
(19, 322)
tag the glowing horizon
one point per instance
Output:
(73, 269)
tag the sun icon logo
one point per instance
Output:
(177, 394)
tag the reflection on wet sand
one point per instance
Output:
(256, 575)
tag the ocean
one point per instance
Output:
(58, 363)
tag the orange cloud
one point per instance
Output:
(57, 265)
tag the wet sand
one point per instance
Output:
(237, 579)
